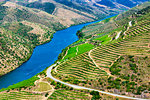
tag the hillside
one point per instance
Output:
(96, 9)
(33, 22)
(101, 8)
(111, 23)
(23, 28)
(115, 60)
(119, 62)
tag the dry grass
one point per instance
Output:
(67, 16)
(42, 87)
(36, 28)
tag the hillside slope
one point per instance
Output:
(92, 8)
(101, 7)
(23, 28)
(119, 63)
(33, 23)
(115, 61)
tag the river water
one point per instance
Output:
(43, 56)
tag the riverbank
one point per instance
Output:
(29, 54)
(43, 55)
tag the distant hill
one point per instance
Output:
(97, 8)
(101, 7)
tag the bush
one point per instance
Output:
(71, 88)
(139, 89)
(46, 94)
(132, 59)
(95, 95)
(53, 83)
(57, 86)
(76, 82)
(132, 66)
(130, 56)
(109, 87)
(80, 34)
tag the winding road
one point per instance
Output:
(81, 87)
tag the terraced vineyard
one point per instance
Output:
(116, 65)
(87, 69)
(105, 55)
(19, 96)
(94, 68)
(99, 28)
(62, 94)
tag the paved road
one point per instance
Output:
(130, 23)
(81, 87)
(118, 35)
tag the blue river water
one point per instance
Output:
(43, 56)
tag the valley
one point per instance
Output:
(28, 28)
(109, 60)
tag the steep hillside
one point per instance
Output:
(101, 7)
(112, 23)
(116, 60)
(92, 8)
(23, 28)
(67, 13)
(36, 21)
(119, 62)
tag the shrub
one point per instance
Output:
(46, 94)
(57, 86)
(109, 87)
(132, 59)
(132, 66)
(75, 82)
(130, 56)
(139, 89)
(71, 88)
(53, 83)
(95, 95)
(80, 34)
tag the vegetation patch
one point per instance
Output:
(77, 50)
(47, 7)
(23, 84)
(42, 86)
(104, 39)
(133, 70)
(19, 95)
(69, 95)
